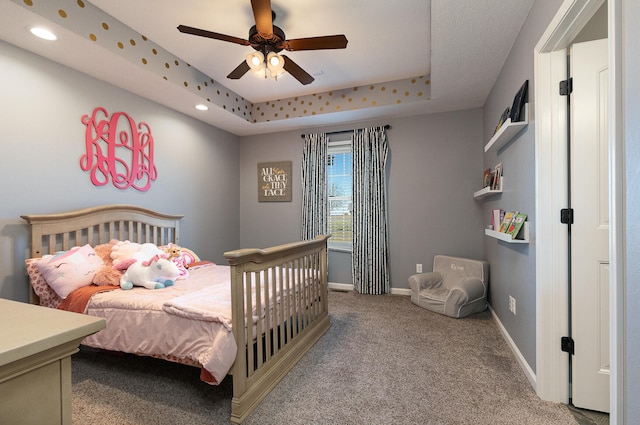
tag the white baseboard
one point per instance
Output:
(529, 373)
(349, 287)
(340, 286)
(401, 291)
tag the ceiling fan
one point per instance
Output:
(268, 40)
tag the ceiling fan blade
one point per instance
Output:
(209, 34)
(239, 71)
(316, 43)
(262, 15)
(298, 73)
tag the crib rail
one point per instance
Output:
(288, 284)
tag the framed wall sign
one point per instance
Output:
(274, 181)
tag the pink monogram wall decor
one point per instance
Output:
(118, 150)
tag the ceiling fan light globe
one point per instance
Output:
(255, 60)
(275, 63)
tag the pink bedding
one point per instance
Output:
(137, 322)
(189, 322)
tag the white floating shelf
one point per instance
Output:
(508, 238)
(487, 191)
(507, 131)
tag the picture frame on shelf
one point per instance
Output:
(486, 179)
(519, 100)
(496, 175)
(492, 179)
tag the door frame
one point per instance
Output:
(551, 171)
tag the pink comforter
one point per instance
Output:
(139, 322)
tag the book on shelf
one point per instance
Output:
(506, 222)
(496, 218)
(519, 100)
(516, 224)
(504, 117)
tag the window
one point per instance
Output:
(339, 190)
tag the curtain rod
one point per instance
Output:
(386, 127)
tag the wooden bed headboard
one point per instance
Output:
(96, 225)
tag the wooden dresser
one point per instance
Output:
(36, 344)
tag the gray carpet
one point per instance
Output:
(384, 361)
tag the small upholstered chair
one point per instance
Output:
(457, 287)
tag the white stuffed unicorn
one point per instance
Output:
(155, 273)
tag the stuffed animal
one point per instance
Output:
(175, 255)
(107, 274)
(173, 251)
(125, 253)
(157, 273)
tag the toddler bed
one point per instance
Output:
(253, 318)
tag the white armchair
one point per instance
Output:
(457, 287)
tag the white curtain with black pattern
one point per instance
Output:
(370, 270)
(314, 187)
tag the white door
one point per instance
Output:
(590, 229)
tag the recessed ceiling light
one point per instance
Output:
(43, 33)
(201, 107)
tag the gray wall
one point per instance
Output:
(434, 166)
(42, 139)
(513, 266)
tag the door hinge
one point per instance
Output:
(567, 345)
(566, 216)
(566, 87)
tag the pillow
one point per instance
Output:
(189, 257)
(69, 270)
(106, 274)
(48, 297)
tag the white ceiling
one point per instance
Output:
(461, 44)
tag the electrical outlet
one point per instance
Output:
(512, 304)
(418, 268)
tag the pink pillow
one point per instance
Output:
(69, 270)
(48, 297)
(189, 257)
